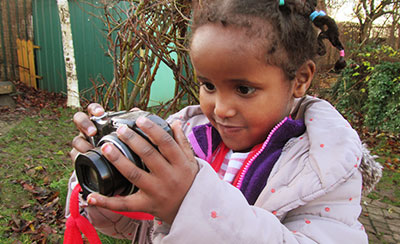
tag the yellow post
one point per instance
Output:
(20, 61)
(32, 68)
(21, 49)
(25, 63)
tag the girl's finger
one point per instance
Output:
(132, 203)
(127, 168)
(154, 161)
(84, 124)
(166, 144)
(135, 109)
(95, 109)
(81, 144)
(181, 139)
(73, 154)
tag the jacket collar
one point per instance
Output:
(254, 174)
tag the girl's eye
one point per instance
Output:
(245, 90)
(208, 86)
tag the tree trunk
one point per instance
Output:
(398, 37)
(392, 38)
(365, 30)
(69, 57)
(395, 19)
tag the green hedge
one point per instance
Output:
(369, 88)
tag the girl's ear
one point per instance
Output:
(303, 78)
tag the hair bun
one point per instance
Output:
(330, 31)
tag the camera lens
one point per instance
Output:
(96, 174)
(92, 179)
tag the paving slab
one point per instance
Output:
(381, 221)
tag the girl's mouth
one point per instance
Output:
(228, 129)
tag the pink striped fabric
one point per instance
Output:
(231, 165)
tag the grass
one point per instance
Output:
(36, 167)
(387, 189)
(34, 171)
(387, 147)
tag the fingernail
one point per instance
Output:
(142, 121)
(106, 148)
(91, 200)
(91, 130)
(122, 129)
(98, 110)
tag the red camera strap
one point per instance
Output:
(77, 224)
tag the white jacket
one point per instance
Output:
(312, 195)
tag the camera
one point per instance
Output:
(94, 172)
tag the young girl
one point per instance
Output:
(271, 165)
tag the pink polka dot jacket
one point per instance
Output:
(311, 194)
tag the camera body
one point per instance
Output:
(94, 172)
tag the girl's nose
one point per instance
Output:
(224, 108)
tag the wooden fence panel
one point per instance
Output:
(15, 22)
(26, 62)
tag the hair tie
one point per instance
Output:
(281, 2)
(341, 53)
(315, 14)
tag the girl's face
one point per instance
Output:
(242, 96)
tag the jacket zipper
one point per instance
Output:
(247, 165)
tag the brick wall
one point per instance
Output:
(15, 22)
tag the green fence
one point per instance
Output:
(49, 57)
(38, 20)
(88, 31)
(89, 45)
(92, 64)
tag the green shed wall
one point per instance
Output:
(49, 58)
(90, 45)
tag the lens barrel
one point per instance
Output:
(96, 174)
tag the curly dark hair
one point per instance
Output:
(293, 39)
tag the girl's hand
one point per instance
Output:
(172, 171)
(86, 127)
